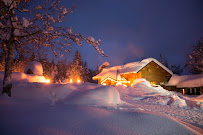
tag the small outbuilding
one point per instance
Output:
(186, 84)
(34, 67)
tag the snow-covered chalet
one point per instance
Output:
(150, 69)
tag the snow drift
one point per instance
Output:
(29, 110)
(102, 96)
(80, 94)
(143, 91)
(83, 120)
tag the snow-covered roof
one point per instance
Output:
(112, 71)
(132, 67)
(111, 74)
(135, 67)
(35, 67)
(186, 81)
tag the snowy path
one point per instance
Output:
(157, 103)
(76, 120)
(192, 116)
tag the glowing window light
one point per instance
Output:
(108, 78)
(153, 83)
(118, 83)
(71, 80)
(183, 91)
(47, 81)
(124, 85)
(104, 84)
(78, 81)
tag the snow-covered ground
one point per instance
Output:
(69, 109)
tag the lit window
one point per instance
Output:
(104, 84)
(47, 80)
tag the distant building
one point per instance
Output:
(186, 84)
(150, 69)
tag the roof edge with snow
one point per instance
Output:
(186, 81)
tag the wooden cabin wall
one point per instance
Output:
(154, 73)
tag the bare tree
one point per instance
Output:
(26, 25)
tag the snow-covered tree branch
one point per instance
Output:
(26, 25)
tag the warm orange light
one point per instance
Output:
(71, 80)
(183, 91)
(47, 80)
(153, 83)
(78, 81)
(104, 84)
(118, 83)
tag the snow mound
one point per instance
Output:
(34, 67)
(139, 80)
(62, 92)
(145, 88)
(177, 101)
(102, 96)
(22, 77)
(57, 92)
(143, 91)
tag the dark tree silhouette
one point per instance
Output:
(176, 69)
(86, 73)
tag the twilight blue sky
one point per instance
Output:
(131, 29)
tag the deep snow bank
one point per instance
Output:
(83, 94)
(28, 111)
(80, 94)
(102, 96)
(143, 91)
(83, 120)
